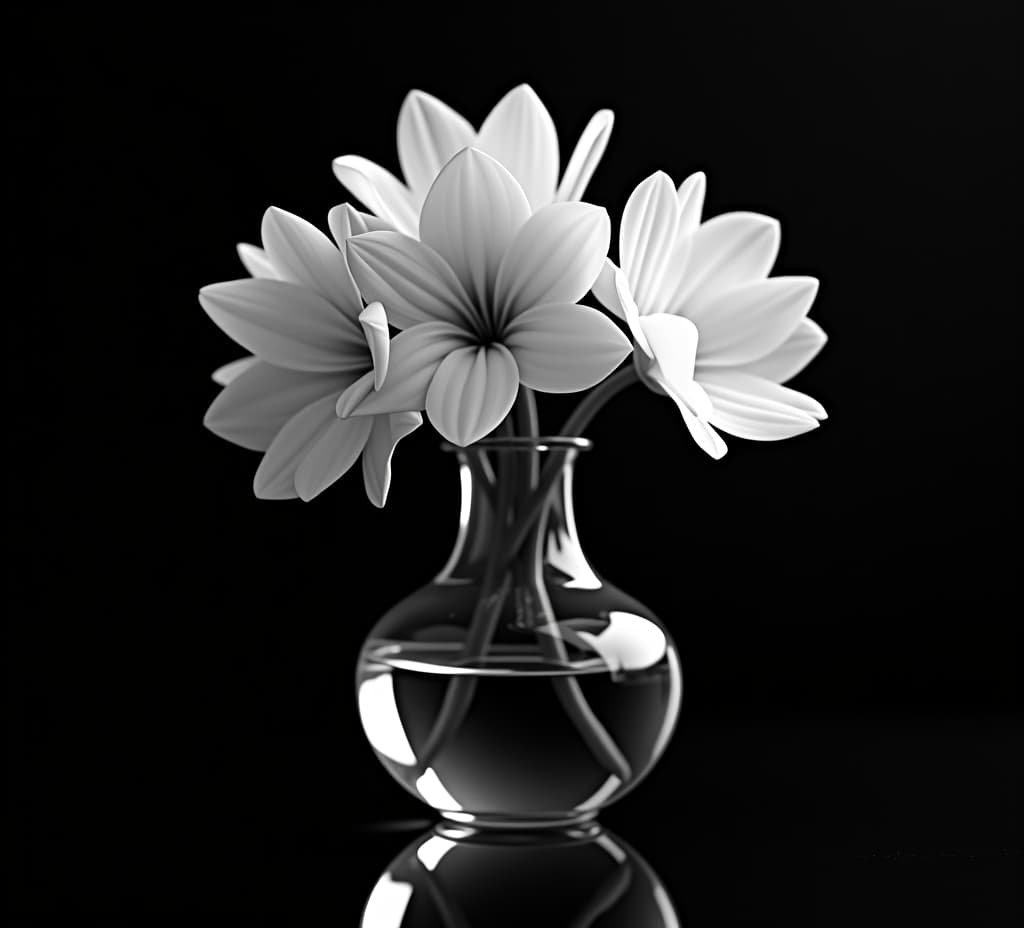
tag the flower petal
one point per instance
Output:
(375, 328)
(555, 258)
(379, 190)
(429, 134)
(386, 434)
(411, 279)
(749, 321)
(729, 250)
(255, 406)
(673, 342)
(473, 211)
(344, 221)
(648, 230)
(604, 288)
(754, 408)
(255, 260)
(472, 391)
(519, 132)
(415, 356)
(631, 313)
(690, 197)
(793, 355)
(586, 156)
(701, 431)
(331, 456)
(275, 477)
(304, 255)
(285, 324)
(675, 279)
(564, 347)
(228, 372)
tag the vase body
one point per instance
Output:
(518, 689)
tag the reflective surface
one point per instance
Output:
(455, 880)
(518, 688)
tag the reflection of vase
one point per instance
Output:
(518, 689)
(499, 879)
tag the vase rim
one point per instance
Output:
(525, 443)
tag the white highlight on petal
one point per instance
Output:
(429, 134)
(375, 327)
(647, 233)
(429, 786)
(674, 343)
(793, 355)
(432, 851)
(379, 190)
(256, 261)
(690, 197)
(386, 906)
(604, 289)
(382, 721)
(631, 313)
(586, 156)
(228, 372)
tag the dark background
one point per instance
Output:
(182, 734)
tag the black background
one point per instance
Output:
(183, 736)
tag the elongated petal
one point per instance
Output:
(472, 391)
(412, 280)
(429, 134)
(331, 455)
(415, 356)
(691, 203)
(648, 230)
(375, 328)
(519, 132)
(754, 408)
(255, 261)
(701, 430)
(605, 289)
(748, 322)
(470, 216)
(228, 372)
(379, 190)
(673, 341)
(667, 296)
(344, 221)
(793, 355)
(275, 477)
(304, 255)
(255, 406)
(285, 324)
(586, 156)
(729, 250)
(564, 347)
(380, 446)
(555, 258)
(631, 313)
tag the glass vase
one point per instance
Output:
(518, 689)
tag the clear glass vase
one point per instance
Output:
(518, 689)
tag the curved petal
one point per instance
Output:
(793, 355)
(675, 278)
(519, 132)
(411, 279)
(344, 221)
(379, 190)
(254, 259)
(673, 341)
(648, 230)
(415, 356)
(701, 431)
(375, 328)
(387, 432)
(690, 197)
(564, 347)
(228, 372)
(304, 255)
(729, 250)
(604, 288)
(255, 406)
(757, 409)
(555, 258)
(275, 477)
(586, 156)
(748, 322)
(285, 324)
(471, 214)
(631, 314)
(429, 134)
(331, 455)
(472, 391)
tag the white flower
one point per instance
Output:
(712, 330)
(518, 132)
(302, 317)
(487, 300)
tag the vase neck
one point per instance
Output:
(499, 484)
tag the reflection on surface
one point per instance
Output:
(445, 878)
